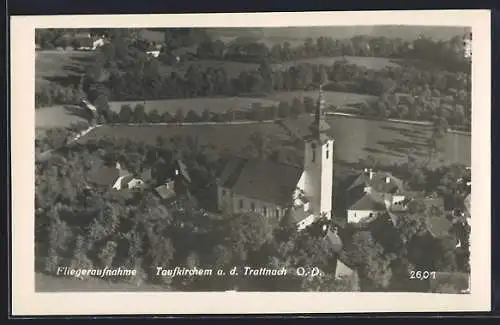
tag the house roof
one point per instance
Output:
(146, 175)
(125, 180)
(183, 170)
(378, 182)
(369, 202)
(261, 179)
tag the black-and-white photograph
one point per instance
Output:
(253, 159)
(210, 164)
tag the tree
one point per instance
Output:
(179, 116)
(205, 116)
(107, 254)
(154, 116)
(247, 233)
(125, 114)
(368, 257)
(140, 114)
(284, 110)
(192, 117)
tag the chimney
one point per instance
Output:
(118, 166)
(371, 174)
(387, 179)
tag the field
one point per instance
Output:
(60, 67)
(230, 137)
(390, 142)
(375, 63)
(214, 105)
(59, 116)
(355, 138)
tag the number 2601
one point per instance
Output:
(422, 275)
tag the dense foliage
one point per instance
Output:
(124, 71)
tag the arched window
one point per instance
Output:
(313, 147)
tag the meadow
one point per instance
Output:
(59, 116)
(59, 66)
(355, 138)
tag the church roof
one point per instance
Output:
(261, 179)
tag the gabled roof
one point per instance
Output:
(369, 202)
(342, 270)
(183, 170)
(261, 179)
(378, 182)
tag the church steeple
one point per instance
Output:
(319, 126)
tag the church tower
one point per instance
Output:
(318, 162)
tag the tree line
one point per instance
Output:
(404, 92)
(447, 54)
(122, 71)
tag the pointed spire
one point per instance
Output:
(319, 125)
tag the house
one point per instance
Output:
(88, 42)
(153, 53)
(153, 49)
(175, 182)
(373, 193)
(274, 189)
(115, 177)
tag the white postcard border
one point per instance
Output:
(25, 301)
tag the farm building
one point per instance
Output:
(373, 193)
(174, 182)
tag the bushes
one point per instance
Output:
(55, 94)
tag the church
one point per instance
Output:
(274, 189)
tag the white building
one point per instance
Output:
(373, 193)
